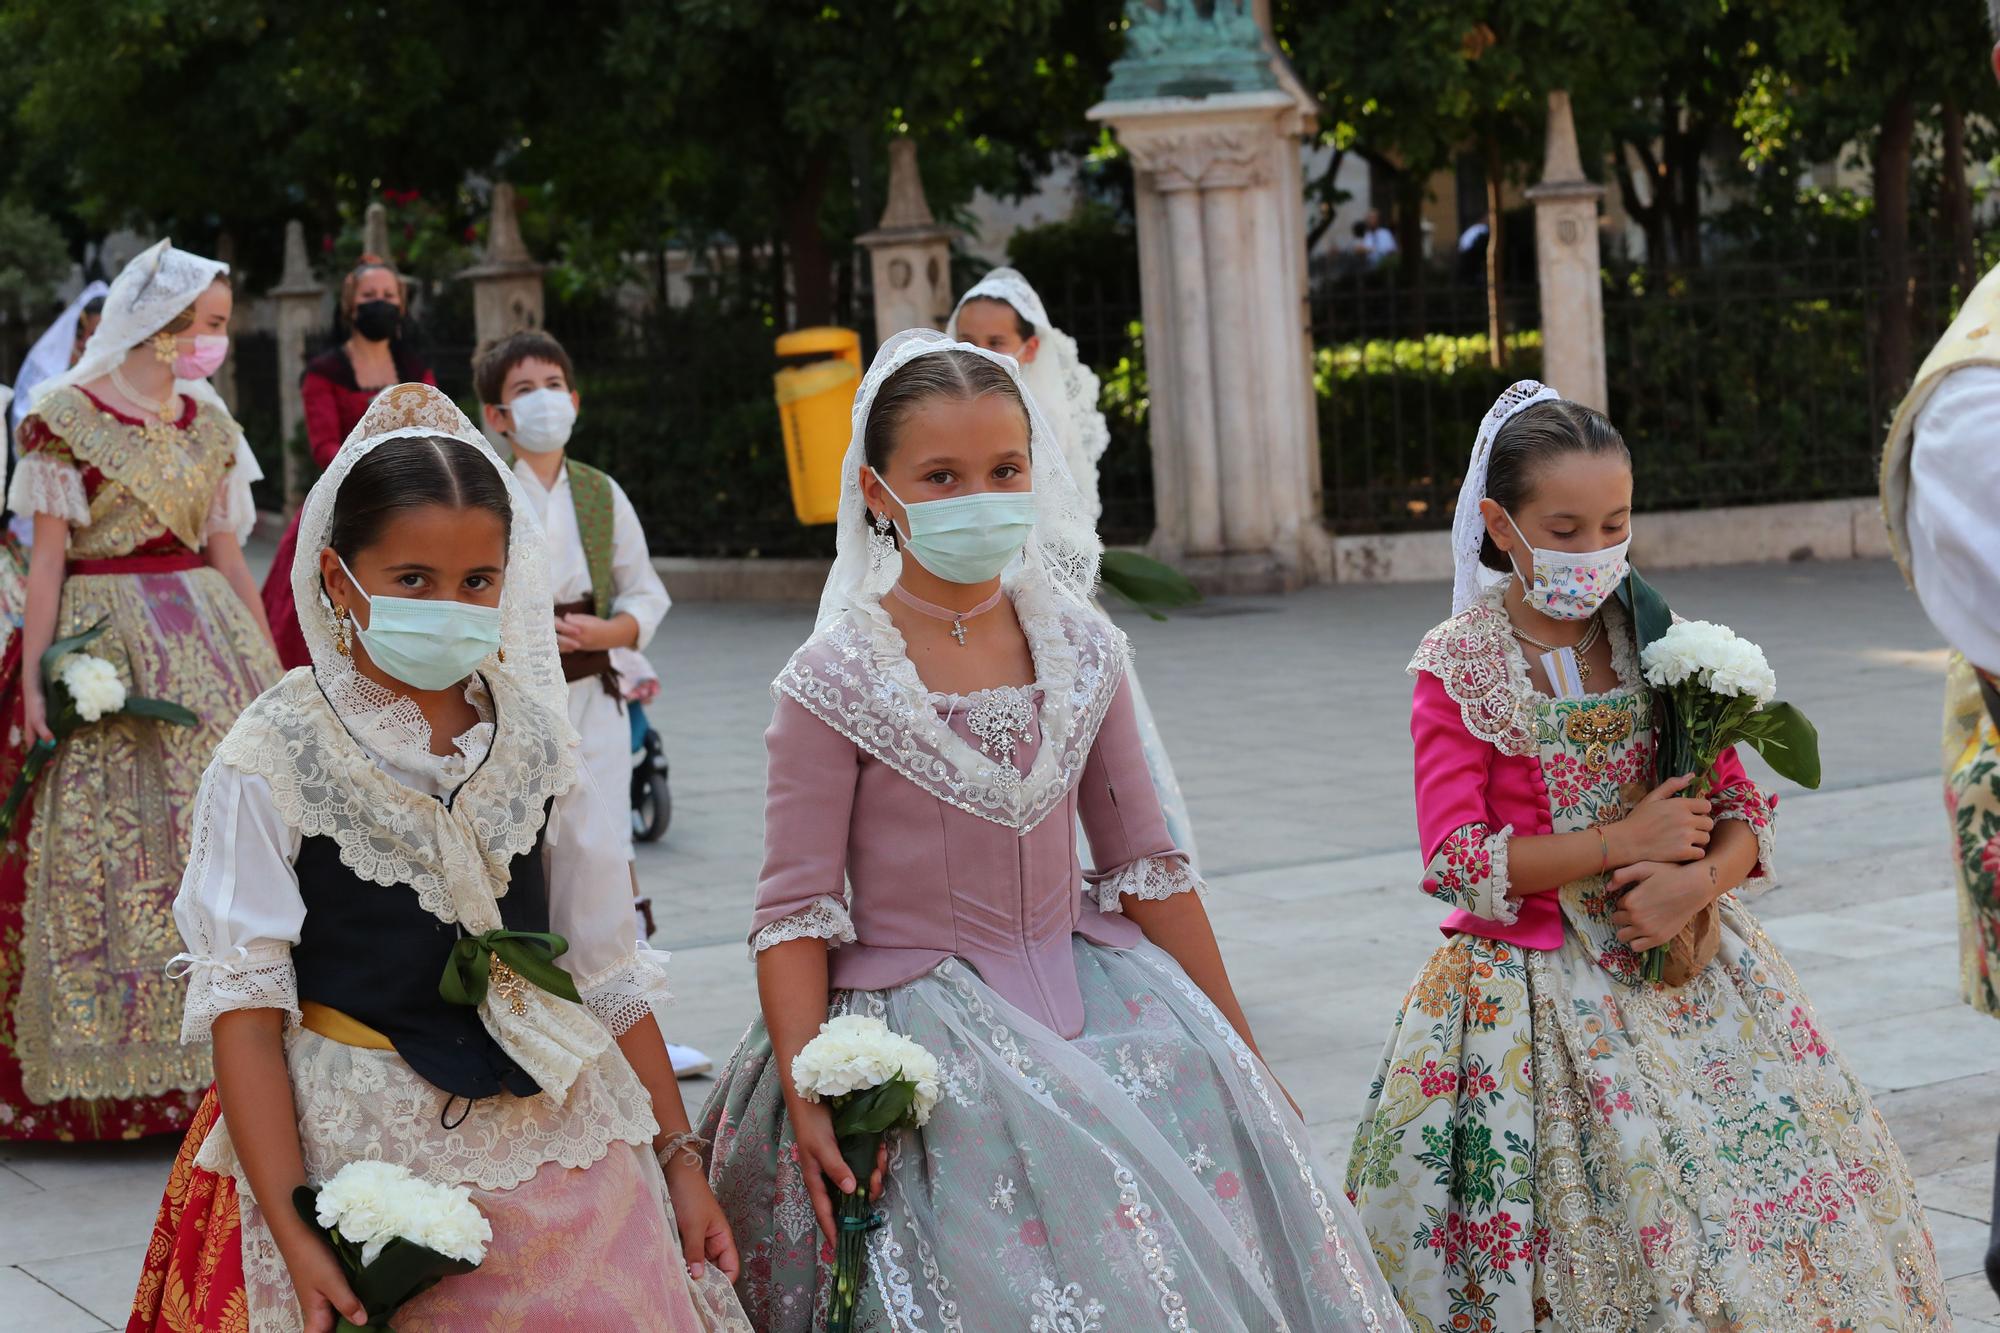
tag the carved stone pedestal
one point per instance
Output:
(507, 283)
(909, 253)
(1233, 426)
(1566, 251)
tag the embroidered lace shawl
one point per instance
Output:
(856, 676)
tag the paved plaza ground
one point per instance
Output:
(1288, 721)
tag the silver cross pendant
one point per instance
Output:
(958, 632)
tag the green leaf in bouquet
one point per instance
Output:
(161, 710)
(1788, 741)
(1146, 583)
(62, 648)
(875, 1110)
(1651, 616)
(401, 1272)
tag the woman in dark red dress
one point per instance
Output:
(338, 386)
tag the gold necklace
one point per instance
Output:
(1580, 647)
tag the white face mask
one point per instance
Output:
(542, 420)
(1569, 585)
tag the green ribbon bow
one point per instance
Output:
(530, 954)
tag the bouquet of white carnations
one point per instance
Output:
(874, 1081)
(1718, 691)
(79, 689)
(395, 1235)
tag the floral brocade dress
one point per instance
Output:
(1552, 1143)
(90, 1035)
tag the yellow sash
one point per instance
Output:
(330, 1023)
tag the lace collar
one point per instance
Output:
(856, 676)
(1475, 657)
(392, 727)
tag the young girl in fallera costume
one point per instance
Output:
(1110, 1152)
(416, 787)
(1552, 1142)
(138, 483)
(1002, 313)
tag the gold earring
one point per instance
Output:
(343, 633)
(166, 347)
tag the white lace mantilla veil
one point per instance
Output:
(49, 357)
(144, 298)
(1063, 550)
(1469, 578)
(1057, 379)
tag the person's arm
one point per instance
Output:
(801, 913)
(322, 413)
(239, 912)
(1953, 510)
(639, 599)
(255, 1091)
(1662, 897)
(1137, 871)
(225, 556)
(622, 982)
(46, 563)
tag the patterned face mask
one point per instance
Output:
(1569, 585)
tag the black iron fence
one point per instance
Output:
(1740, 383)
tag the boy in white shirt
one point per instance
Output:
(608, 596)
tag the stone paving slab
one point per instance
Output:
(1288, 721)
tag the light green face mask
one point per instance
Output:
(427, 643)
(967, 538)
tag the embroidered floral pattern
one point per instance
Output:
(1972, 800)
(1469, 871)
(1469, 655)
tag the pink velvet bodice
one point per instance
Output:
(926, 880)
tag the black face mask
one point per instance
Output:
(378, 321)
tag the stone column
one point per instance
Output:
(1566, 252)
(1234, 438)
(375, 230)
(507, 282)
(301, 313)
(909, 253)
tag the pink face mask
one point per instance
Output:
(210, 350)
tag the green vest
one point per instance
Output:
(590, 493)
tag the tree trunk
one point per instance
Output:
(812, 266)
(1323, 191)
(1892, 220)
(1496, 307)
(1958, 200)
(1650, 215)
(1682, 188)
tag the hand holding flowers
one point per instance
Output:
(1715, 691)
(872, 1081)
(393, 1235)
(79, 689)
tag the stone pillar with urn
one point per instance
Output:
(301, 304)
(1566, 253)
(507, 282)
(909, 253)
(1213, 121)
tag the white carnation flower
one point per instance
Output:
(853, 1053)
(1713, 655)
(93, 683)
(372, 1203)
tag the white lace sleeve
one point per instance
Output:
(1154, 879)
(821, 919)
(45, 484)
(590, 905)
(239, 909)
(233, 509)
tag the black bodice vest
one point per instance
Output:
(376, 955)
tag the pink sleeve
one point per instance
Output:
(1465, 858)
(1734, 796)
(808, 804)
(1130, 849)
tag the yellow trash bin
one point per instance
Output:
(815, 391)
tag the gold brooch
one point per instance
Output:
(509, 986)
(1598, 728)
